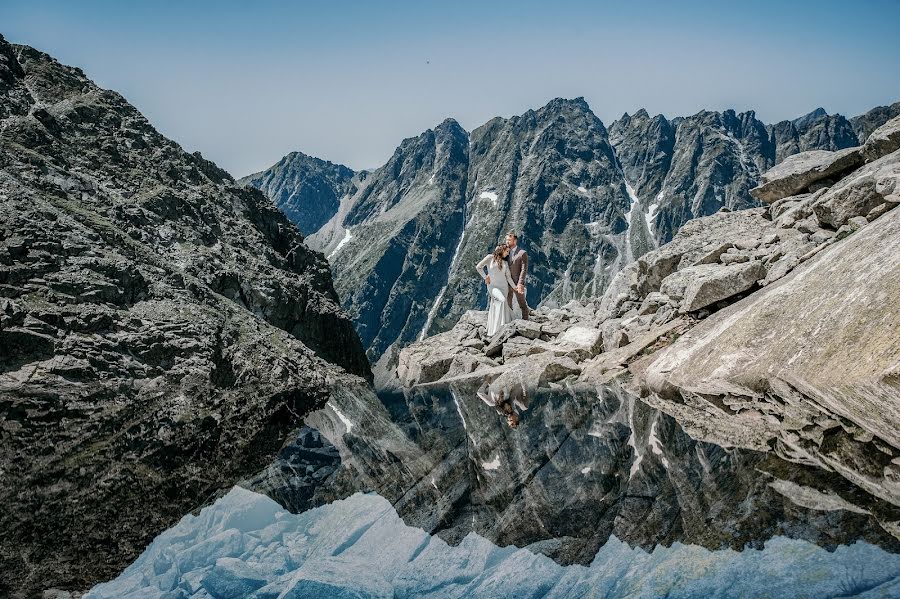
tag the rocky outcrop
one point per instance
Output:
(864, 124)
(586, 200)
(824, 386)
(798, 172)
(307, 189)
(862, 191)
(883, 140)
(814, 131)
(162, 329)
(769, 329)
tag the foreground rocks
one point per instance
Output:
(162, 329)
(773, 328)
(815, 379)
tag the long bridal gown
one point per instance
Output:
(499, 312)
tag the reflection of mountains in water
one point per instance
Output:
(582, 465)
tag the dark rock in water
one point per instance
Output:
(308, 190)
(162, 329)
(295, 479)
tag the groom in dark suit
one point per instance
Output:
(518, 268)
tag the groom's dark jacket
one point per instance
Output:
(518, 264)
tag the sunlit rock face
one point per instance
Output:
(245, 545)
(587, 199)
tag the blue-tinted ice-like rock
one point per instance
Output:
(245, 545)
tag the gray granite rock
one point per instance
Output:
(163, 330)
(797, 172)
(860, 192)
(807, 391)
(700, 286)
(883, 141)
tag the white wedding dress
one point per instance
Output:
(499, 312)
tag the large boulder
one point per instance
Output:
(796, 173)
(861, 191)
(699, 241)
(883, 141)
(705, 284)
(809, 364)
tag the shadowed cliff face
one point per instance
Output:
(308, 190)
(585, 200)
(162, 329)
(582, 463)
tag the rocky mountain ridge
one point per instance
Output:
(307, 189)
(769, 329)
(587, 201)
(162, 329)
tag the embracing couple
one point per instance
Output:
(505, 279)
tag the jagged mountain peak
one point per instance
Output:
(560, 103)
(587, 200)
(298, 156)
(806, 119)
(451, 127)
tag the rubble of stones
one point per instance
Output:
(813, 199)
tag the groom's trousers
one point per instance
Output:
(520, 297)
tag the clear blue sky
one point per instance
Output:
(247, 82)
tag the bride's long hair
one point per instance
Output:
(498, 255)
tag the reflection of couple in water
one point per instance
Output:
(507, 401)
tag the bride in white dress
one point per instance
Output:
(499, 283)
